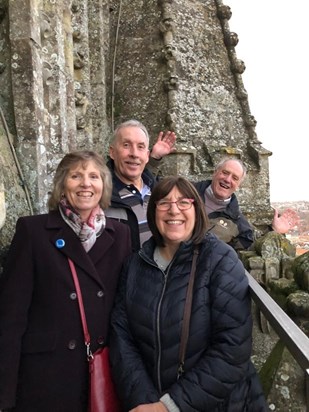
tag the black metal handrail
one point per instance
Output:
(290, 334)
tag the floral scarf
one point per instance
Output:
(86, 231)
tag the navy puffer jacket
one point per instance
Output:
(146, 329)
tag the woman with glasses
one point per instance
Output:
(147, 321)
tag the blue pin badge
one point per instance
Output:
(60, 243)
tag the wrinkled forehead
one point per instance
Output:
(233, 168)
(132, 134)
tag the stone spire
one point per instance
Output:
(71, 70)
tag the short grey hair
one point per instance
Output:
(222, 162)
(129, 123)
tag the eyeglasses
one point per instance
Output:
(182, 204)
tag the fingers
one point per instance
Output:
(160, 136)
(169, 137)
(291, 216)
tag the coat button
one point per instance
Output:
(72, 344)
(73, 295)
(100, 294)
(100, 340)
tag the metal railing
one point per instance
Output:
(290, 334)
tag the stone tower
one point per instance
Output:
(71, 70)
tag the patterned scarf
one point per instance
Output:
(86, 231)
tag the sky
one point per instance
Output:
(273, 43)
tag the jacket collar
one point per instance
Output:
(183, 253)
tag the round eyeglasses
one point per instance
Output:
(182, 204)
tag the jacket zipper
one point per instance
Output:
(158, 330)
(165, 275)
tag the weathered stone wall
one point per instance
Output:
(71, 70)
(176, 67)
(13, 197)
(273, 263)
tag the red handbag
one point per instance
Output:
(102, 396)
(102, 392)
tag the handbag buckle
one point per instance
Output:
(180, 370)
(89, 353)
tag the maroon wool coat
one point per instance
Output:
(43, 366)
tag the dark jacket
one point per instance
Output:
(230, 225)
(43, 364)
(146, 329)
(122, 212)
